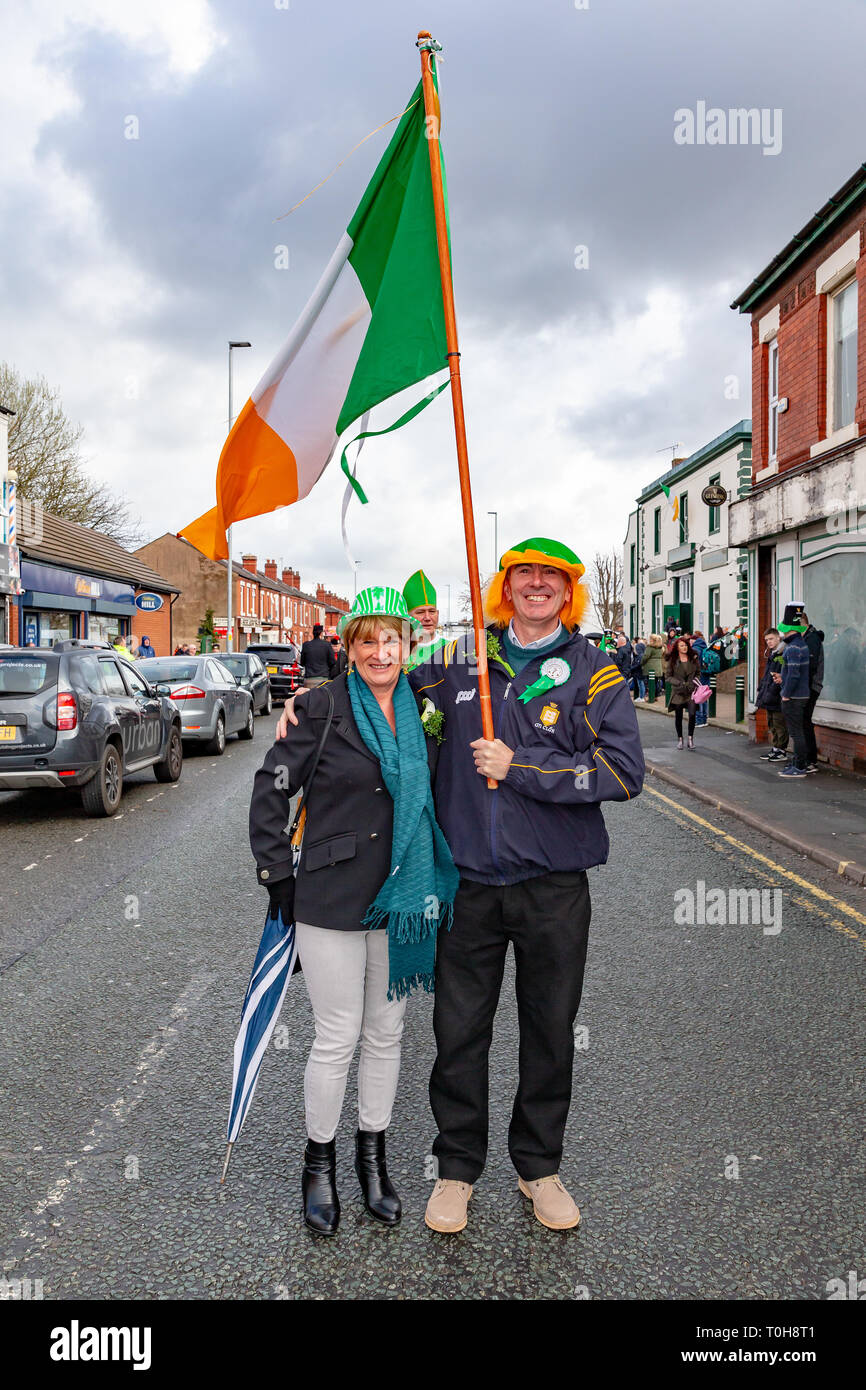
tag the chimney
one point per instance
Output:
(320, 592)
(289, 578)
(271, 569)
(250, 562)
(297, 578)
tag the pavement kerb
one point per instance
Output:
(845, 868)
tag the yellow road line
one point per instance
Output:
(819, 893)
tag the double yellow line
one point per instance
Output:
(841, 907)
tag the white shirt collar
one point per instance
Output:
(539, 641)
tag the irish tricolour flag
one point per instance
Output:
(373, 326)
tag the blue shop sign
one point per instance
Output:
(148, 603)
(46, 579)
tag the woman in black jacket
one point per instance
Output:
(681, 668)
(375, 882)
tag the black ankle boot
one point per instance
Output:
(319, 1187)
(380, 1199)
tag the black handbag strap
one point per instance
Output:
(293, 828)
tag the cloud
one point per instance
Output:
(129, 263)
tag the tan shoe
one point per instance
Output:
(446, 1210)
(552, 1204)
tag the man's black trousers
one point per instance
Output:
(547, 921)
(794, 711)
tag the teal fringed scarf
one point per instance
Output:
(417, 897)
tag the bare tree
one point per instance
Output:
(44, 451)
(605, 586)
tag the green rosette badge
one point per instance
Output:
(554, 671)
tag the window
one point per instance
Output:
(86, 674)
(843, 359)
(136, 685)
(714, 606)
(772, 401)
(111, 678)
(715, 512)
(632, 618)
(631, 556)
(686, 589)
(657, 611)
(832, 592)
(684, 517)
(657, 530)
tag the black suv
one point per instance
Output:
(78, 716)
(282, 665)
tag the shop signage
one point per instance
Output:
(148, 603)
(47, 579)
(714, 495)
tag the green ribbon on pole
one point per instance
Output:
(368, 434)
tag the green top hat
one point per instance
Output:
(419, 592)
(379, 601)
(794, 620)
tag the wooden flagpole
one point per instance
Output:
(431, 110)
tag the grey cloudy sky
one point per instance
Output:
(128, 264)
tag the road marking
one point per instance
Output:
(111, 1115)
(29, 866)
(819, 893)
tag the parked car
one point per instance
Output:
(253, 677)
(77, 717)
(211, 700)
(283, 667)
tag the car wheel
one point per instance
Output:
(101, 795)
(250, 727)
(169, 769)
(217, 744)
(269, 702)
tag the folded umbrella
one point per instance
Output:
(274, 963)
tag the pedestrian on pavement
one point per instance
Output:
(317, 659)
(699, 646)
(653, 660)
(119, 645)
(815, 642)
(769, 697)
(340, 656)
(568, 740)
(623, 654)
(145, 649)
(795, 686)
(683, 668)
(366, 932)
(638, 684)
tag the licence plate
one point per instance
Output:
(272, 670)
(8, 733)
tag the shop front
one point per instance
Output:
(58, 603)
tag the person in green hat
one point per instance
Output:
(375, 883)
(423, 606)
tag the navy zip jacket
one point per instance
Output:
(795, 670)
(575, 746)
(769, 693)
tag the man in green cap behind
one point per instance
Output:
(423, 606)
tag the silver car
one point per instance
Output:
(212, 702)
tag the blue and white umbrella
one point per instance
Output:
(275, 961)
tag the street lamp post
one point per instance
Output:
(229, 622)
(495, 516)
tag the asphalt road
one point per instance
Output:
(715, 1140)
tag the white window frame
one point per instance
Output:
(773, 403)
(834, 427)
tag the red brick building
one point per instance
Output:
(804, 518)
(266, 606)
